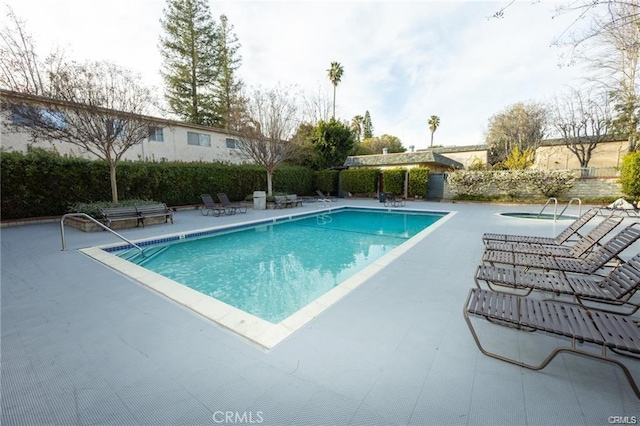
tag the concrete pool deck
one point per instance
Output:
(82, 344)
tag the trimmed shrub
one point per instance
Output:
(630, 174)
(418, 182)
(327, 181)
(393, 180)
(467, 183)
(551, 183)
(360, 181)
(41, 183)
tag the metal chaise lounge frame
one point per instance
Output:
(391, 200)
(564, 236)
(224, 200)
(211, 207)
(590, 264)
(617, 333)
(582, 246)
(617, 288)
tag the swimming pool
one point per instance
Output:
(264, 280)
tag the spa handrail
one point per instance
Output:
(86, 216)
(569, 203)
(555, 208)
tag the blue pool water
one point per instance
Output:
(271, 271)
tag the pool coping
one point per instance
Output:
(264, 334)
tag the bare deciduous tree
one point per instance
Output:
(21, 70)
(316, 107)
(266, 128)
(582, 120)
(98, 106)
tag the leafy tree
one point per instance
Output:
(376, 144)
(228, 86)
(265, 130)
(521, 125)
(434, 123)
(190, 72)
(519, 160)
(335, 75)
(98, 106)
(630, 174)
(305, 152)
(583, 121)
(367, 126)
(356, 126)
(332, 141)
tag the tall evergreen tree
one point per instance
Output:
(188, 49)
(228, 85)
(367, 126)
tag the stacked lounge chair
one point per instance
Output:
(579, 293)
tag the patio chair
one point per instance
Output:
(589, 264)
(322, 199)
(622, 206)
(224, 200)
(617, 288)
(211, 207)
(563, 237)
(584, 327)
(391, 200)
(582, 246)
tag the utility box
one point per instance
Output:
(259, 200)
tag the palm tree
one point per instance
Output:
(434, 122)
(335, 74)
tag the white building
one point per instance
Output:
(169, 141)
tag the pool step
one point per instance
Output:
(139, 258)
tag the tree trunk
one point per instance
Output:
(431, 139)
(269, 182)
(334, 101)
(114, 184)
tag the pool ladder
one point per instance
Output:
(86, 216)
(555, 207)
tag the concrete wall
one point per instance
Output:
(606, 154)
(467, 157)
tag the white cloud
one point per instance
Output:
(403, 61)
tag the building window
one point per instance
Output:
(199, 139)
(233, 143)
(35, 116)
(156, 134)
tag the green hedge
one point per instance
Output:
(393, 180)
(360, 181)
(630, 174)
(418, 182)
(41, 183)
(327, 181)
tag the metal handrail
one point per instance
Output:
(555, 208)
(64, 241)
(571, 201)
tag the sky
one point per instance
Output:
(403, 61)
